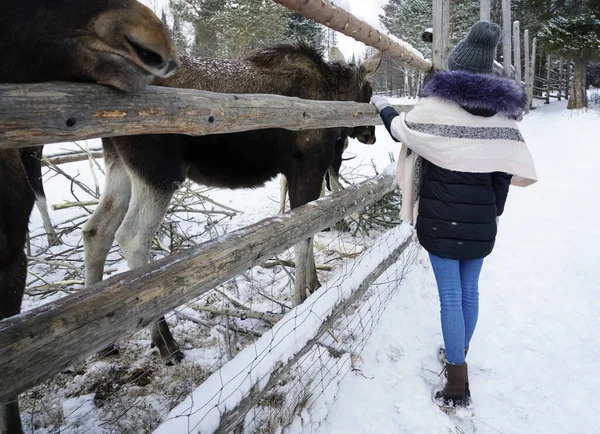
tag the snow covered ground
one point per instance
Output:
(533, 360)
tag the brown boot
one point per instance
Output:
(444, 360)
(456, 392)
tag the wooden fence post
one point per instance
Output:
(506, 48)
(568, 79)
(527, 68)
(532, 70)
(548, 78)
(560, 78)
(441, 34)
(517, 51)
(485, 10)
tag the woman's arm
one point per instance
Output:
(387, 113)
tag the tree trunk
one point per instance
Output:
(578, 97)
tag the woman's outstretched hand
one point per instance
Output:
(380, 102)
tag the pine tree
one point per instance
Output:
(330, 39)
(300, 28)
(201, 15)
(407, 19)
(574, 32)
(175, 31)
(248, 25)
(236, 28)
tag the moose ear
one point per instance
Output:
(373, 63)
(336, 55)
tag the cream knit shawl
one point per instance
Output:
(448, 136)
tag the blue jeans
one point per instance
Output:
(458, 287)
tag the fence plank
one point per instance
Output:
(560, 78)
(527, 61)
(56, 112)
(517, 51)
(40, 343)
(532, 68)
(485, 10)
(441, 34)
(506, 42)
(326, 13)
(548, 78)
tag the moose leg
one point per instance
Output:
(99, 231)
(312, 281)
(147, 210)
(42, 206)
(301, 253)
(13, 272)
(334, 180)
(304, 186)
(283, 189)
(32, 162)
(16, 203)
(10, 418)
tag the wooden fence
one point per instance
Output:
(41, 342)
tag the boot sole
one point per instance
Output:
(459, 411)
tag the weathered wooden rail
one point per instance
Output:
(56, 112)
(328, 14)
(40, 343)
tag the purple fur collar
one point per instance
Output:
(478, 91)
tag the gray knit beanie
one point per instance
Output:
(476, 52)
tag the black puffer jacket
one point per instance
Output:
(458, 210)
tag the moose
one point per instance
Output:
(119, 43)
(364, 135)
(143, 172)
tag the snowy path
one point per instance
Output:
(534, 357)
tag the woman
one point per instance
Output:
(462, 149)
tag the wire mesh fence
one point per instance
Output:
(132, 390)
(274, 380)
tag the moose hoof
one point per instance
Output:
(171, 353)
(313, 285)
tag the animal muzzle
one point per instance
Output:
(163, 64)
(367, 137)
(136, 34)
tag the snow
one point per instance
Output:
(407, 46)
(533, 358)
(79, 412)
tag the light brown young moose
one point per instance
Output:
(144, 171)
